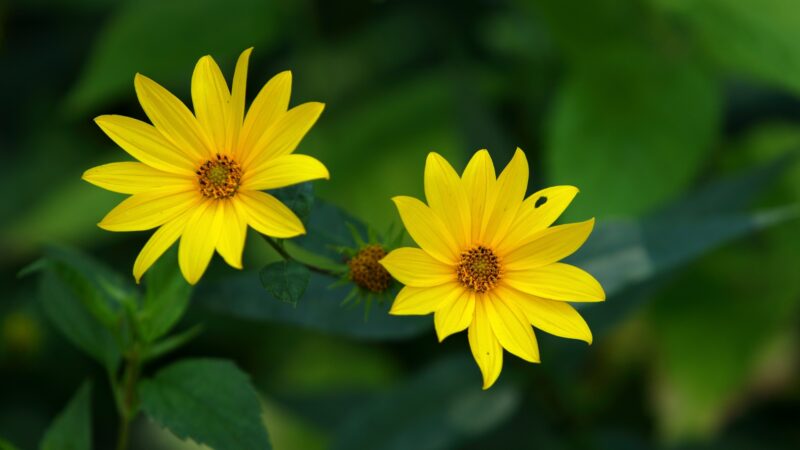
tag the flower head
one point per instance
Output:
(489, 260)
(200, 177)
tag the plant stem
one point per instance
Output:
(127, 406)
(286, 256)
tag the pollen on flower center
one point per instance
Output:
(366, 271)
(478, 269)
(219, 177)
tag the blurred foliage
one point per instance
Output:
(677, 119)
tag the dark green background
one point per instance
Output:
(636, 102)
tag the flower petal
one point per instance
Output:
(552, 316)
(134, 177)
(149, 209)
(447, 198)
(284, 171)
(173, 119)
(199, 239)
(268, 215)
(485, 347)
(234, 231)
(238, 92)
(548, 246)
(270, 104)
(510, 192)
(455, 315)
(557, 281)
(537, 212)
(427, 229)
(511, 327)
(415, 267)
(284, 135)
(480, 183)
(211, 100)
(419, 301)
(159, 242)
(145, 143)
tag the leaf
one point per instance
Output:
(150, 37)
(72, 428)
(299, 198)
(166, 297)
(329, 228)
(5, 445)
(77, 295)
(437, 409)
(171, 343)
(207, 400)
(243, 296)
(638, 119)
(758, 42)
(285, 280)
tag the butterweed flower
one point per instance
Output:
(489, 260)
(200, 176)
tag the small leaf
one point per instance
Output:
(299, 198)
(329, 228)
(166, 297)
(285, 280)
(170, 343)
(72, 428)
(207, 400)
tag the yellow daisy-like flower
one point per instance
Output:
(200, 176)
(489, 260)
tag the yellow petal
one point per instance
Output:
(149, 209)
(480, 184)
(416, 301)
(455, 315)
(268, 215)
(447, 198)
(238, 92)
(134, 177)
(234, 230)
(552, 316)
(145, 143)
(548, 246)
(284, 171)
(414, 267)
(511, 327)
(199, 239)
(485, 347)
(537, 212)
(510, 192)
(270, 103)
(159, 242)
(284, 135)
(427, 229)
(211, 100)
(173, 119)
(556, 281)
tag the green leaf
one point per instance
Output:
(329, 228)
(150, 37)
(299, 198)
(285, 280)
(758, 42)
(5, 445)
(638, 119)
(80, 297)
(166, 297)
(72, 428)
(243, 296)
(171, 343)
(207, 400)
(439, 408)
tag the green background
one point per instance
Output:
(639, 103)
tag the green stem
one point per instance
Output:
(287, 257)
(127, 406)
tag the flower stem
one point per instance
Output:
(127, 406)
(287, 257)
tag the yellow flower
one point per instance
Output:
(489, 260)
(200, 176)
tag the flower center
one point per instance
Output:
(478, 269)
(366, 271)
(219, 177)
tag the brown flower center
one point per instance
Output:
(219, 177)
(478, 269)
(366, 271)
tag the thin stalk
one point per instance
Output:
(286, 256)
(127, 407)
